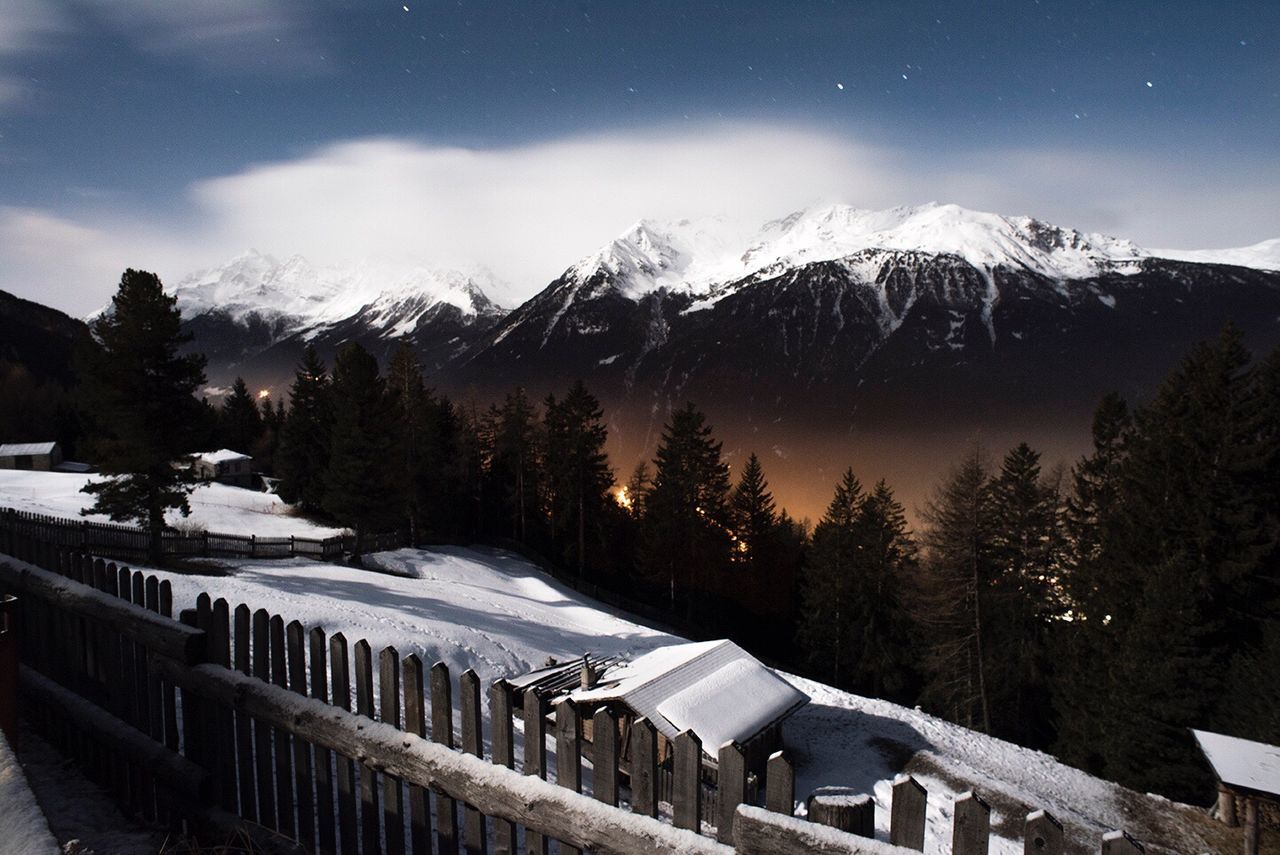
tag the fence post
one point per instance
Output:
(644, 767)
(296, 641)
(1120, 843)
(339, 668)
(780, 784)
(326, 843)
(604, 756)
(504, 831)
(369, 811)
(283, 741)
(442, 732)
(846, 811)
(971, 825)
(261, 730)
(389, 709)
(535, 758)
(244, 724)
(686, 782)
(731, 788)
(906, 813)
(1042, 834)
(415, 722)
(569, 754)
(472, 743)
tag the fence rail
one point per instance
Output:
(232, 720)
(131, 543)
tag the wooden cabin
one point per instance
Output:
(224, 466)
(35, 456)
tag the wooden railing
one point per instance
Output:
(131, 543)
(230, 721)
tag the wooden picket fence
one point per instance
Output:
(230, 721)
(130, 543)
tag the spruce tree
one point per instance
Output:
(884, 566)
(142, 393)
(359, 476)
(303, 458)
(578, 474)
(755, 518)
(514, 465)
(412, 438)
(686, 534)
(240, 423)
(826, 630)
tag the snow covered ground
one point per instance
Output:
(494, 612)
(214, 507)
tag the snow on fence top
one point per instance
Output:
(714, 688)
(1242, 763)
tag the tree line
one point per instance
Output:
(1096, 611)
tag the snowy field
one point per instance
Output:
(496, 613)
(214, 507)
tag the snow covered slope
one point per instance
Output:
(1260, 256)
(494, 612)
(214, 507)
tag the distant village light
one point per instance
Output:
(264, 393)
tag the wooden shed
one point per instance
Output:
(224, 466)
(1248, 774)
(36, 456)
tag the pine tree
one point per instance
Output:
(304, 437)
(754, 518)
(883, 665)
(826, 628)
(142, 393)
(514, 464)
(953, 591)
(578, 474)
(240, 423)
(686, 511)
(360, 462)
(412, 427)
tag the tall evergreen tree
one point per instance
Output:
(884, 664)
(953, 592)
(240, 423)
(686, 533)
(754, 518)
(359, 476)
(578, 474)
(412, 437)
(514, 465)
(826, 631)
(303, 459)
(142, 392)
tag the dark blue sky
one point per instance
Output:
(114, 109)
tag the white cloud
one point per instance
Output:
(528, 212)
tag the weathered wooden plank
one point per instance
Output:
(219, 726)
(261, 730)
(244, 726)
(569, 754)
(415, 722)
(545, 807)
(644, 767)
(326, 841)
(780, 784)
(686, 781)
(389, 712)
(285, 819)
(604, 756)
(339, 667)
(442, 733)
(854, 813)
(1042, 834)
(971, 825)
(469, 727)
(369, 812)
(906, 813)
(503, 746)
(731, 788)
(304, 795)
(535, 759)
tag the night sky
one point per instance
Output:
(521, 135)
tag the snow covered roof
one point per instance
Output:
(14, 449)
(714, 688)
(1241, 763)
(222, 455)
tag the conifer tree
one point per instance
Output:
(578, 474)
(142, 392)
(304, 437)
(412, 437)
(240, 423)
(686, 511)
(515, 463)
(884, 566)
(359, 475)
(754, 518)
(826, 631)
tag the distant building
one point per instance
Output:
(224, 466)
(35, 456)
(714, 688)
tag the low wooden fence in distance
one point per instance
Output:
(130, 543)
(232, 721)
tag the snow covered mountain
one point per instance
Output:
(254, 311)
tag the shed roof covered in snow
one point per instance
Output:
(22, 449)
(222, 455)
(1242, 764)
(714, 688)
